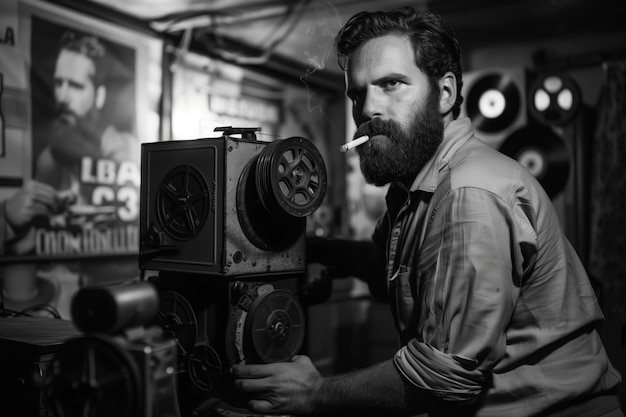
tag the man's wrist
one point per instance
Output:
(317, 393)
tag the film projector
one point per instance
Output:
(223, 222)
(222, 256)
(120, 365)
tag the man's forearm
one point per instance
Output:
(360, 259)
(377, 390)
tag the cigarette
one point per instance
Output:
(354, 143)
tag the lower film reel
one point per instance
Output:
(266, 326)
(199, 361)
(92, 376)
(205, 368)
(176, 317)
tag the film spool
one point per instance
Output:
(92, 376)
(291, 177)
(277, 190)
(183, 202)
(267, 231)
(493, 102)
(266, 326)
(543, 153)
(205, 367)
(275, 326)
(555, 98)
(176, 317)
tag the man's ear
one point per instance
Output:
(447, 88)
(101, 96)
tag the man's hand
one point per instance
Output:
(285, 387)
(34, 199)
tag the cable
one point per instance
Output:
(41, 307)
(291, 17)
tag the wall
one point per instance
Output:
(585, 54)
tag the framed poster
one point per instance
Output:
(79, 97)
(14, 121)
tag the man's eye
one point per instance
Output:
(390, 83)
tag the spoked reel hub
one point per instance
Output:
(176, 317)
(280, 187)
(266, 326)
(291, 177)
(183, 202)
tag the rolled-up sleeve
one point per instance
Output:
(475, 253)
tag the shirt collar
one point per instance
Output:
(454, 136)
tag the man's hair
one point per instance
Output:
(436, 47)
(91, 47)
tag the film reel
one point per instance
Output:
(266, 326)
(543, 153)
(92, 376)
(183, 202)
(205, 367)
(277, 190)
(554, 99)
(493, 102)
(176, 317)
(291, 177)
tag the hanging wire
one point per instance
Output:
(190, 22)
(47, 308)
(182, 49)
(291, 19)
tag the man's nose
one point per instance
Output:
(371, 105)
(62, 91)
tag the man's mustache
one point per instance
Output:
(377, 126)
(64, 109)
(65, 114)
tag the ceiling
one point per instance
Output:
(299, 33)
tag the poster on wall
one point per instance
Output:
(90, 91)
(13, 97)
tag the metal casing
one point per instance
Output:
(219, 246)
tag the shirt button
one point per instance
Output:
(396, 232)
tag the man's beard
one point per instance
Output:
(403, 158)
(72, 137)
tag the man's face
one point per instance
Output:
(394, 104)
(74, 90)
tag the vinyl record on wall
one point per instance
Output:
(494, 102)
(554, 98)
(543, 153)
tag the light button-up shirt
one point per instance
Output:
(491, 301)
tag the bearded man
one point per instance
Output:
(494, 310)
